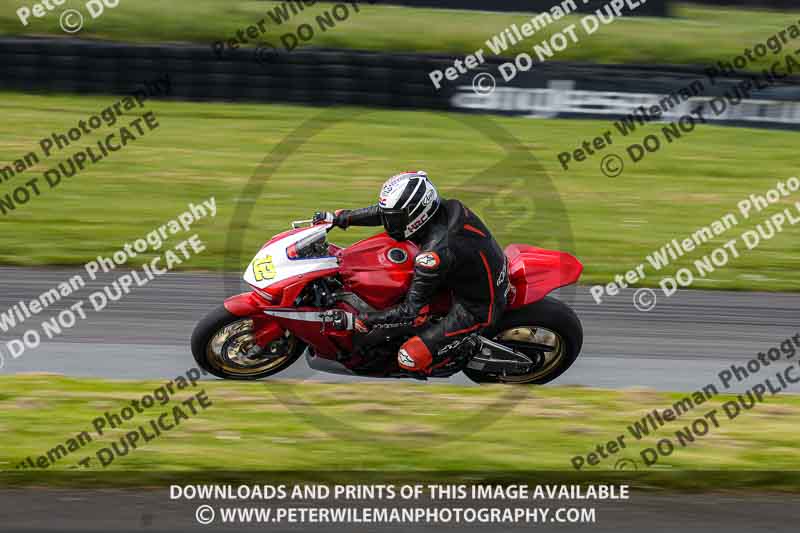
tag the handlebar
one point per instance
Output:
(310, 223)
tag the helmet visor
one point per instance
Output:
(395, 222)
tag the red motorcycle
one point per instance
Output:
(307, 293)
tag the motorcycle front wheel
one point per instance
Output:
(548, 331)
(224, 345)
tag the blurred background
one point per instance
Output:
(278, 110)
(379, 58)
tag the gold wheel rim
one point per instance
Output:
(538, 338)
(233, 349)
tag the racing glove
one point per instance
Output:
(338, 219)
(362, 325)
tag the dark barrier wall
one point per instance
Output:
(319, 77)
(551, 90)
(650, 7)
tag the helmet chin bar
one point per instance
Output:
(424, 223)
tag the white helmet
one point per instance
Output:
(407, 202)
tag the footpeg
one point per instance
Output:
(493, 355)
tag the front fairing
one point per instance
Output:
(273, 265)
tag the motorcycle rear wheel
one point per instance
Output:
(224, 345)
(548, 328)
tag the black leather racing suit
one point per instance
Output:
(457, 253)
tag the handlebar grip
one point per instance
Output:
(298, 223)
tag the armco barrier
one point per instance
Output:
(337, 77)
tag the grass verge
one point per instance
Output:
(724, 31)
(281, 426)
(203, 149)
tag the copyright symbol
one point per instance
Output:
(645, 300)
(483, 84)
(68, 21)
(265, 52)
(204, 515)
(626, 464)
(612, 165)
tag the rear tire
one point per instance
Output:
(224, 345)
(548, 314)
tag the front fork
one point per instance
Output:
(248, 304)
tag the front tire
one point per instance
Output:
(546, 323)
(224, 345)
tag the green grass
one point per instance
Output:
(201, 149)
(695, 35)
(408, 427)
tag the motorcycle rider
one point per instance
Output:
(457, 253)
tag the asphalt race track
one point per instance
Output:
(152, 511)
(681, 344)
